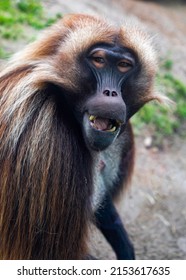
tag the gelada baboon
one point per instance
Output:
(66, 146)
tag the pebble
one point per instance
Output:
(148, 142)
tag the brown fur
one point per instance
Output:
(46, 169)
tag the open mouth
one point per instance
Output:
(104, 124)
(100, 131)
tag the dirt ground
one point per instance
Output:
(154, 209)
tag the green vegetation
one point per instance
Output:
(165, 120)
(14, 15)
(3, 53)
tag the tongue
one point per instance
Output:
(101, 124)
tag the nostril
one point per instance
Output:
(114, 93)
(106, 92)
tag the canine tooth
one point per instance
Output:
(112, 129)
(92, 118)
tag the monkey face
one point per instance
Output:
(105, 112)
(103, 74)
(106, 75)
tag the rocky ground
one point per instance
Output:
(154, 209)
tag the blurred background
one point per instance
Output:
(154, 208)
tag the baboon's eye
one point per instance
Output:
(98, 59)
(124, 66)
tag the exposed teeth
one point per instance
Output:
(112, 129)
(92, 118)
(95, 122)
